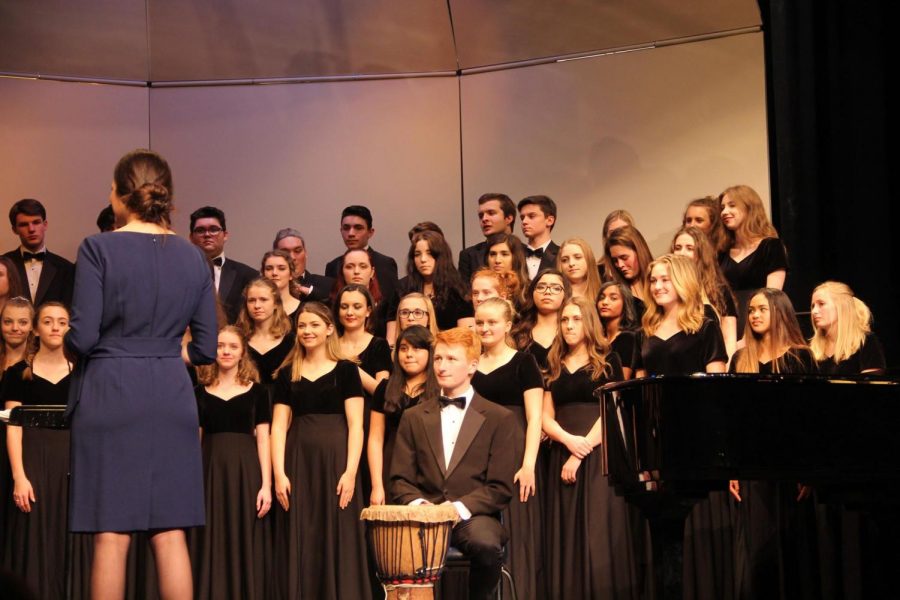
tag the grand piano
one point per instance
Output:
(668, 441)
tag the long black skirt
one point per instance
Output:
(320, 550)
(230, 555)
(709, 542)
(595, 542)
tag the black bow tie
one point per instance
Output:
(460, 402)
(529, 252)
(33, 256)
(217, 261)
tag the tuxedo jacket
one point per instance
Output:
(481, 469)
(234, 278)
(470, 260)
(385, 271)
(321, 286)
(57, 278)
(548, 260)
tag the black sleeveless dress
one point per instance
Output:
(320, 549)
(506, 385)
(231, 554)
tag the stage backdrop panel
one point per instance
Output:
(295, 155)
(646, 131)
(59, 143)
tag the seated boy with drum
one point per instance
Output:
(459, 450)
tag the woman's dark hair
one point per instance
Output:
(395, 400)
(445, 279)
(340, 283)
(336, 306)
(516, 248)
(13, 278)
(630, 320)
(521, 331)
(143, 181)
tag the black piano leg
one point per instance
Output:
(666, 519)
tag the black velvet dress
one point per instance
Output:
(594, 540)
(320, 549)
(231, 554)
(627, 344)
(709, 529)
(506, 385)
(36, 544)
(391, 424)
(749, 275)
(449, 310)
(374, 358)
(869, 356)
(266, 363)
(775, 548)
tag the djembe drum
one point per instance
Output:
(410, 545)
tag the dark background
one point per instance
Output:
(828, 99)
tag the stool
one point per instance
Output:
(457, 560)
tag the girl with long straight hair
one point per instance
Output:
(266, 326)
(412, 381)
(317, 441)
(843, 342)
(615, 306)
(430, 271)
(576, 261)
(506, 252)
(629, 256)
(538, 323)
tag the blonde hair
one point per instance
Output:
(509, 313)
(683, 275)
(784, 332)
(593, 276)
(756, 224)
(594, 341)
(712, 282)
(429, 306)
(281, 323)
(853, 322)
(295, 357)
(246, 373)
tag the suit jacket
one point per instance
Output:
(470, 260)
(548, 260)
(234, 278)
(57, 278)
(321, 286)
(385, 271)
(481, 470)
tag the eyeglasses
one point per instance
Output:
(207, 230)
(552, 288)
(406, 313)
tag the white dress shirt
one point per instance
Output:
(33, 270)
(533, 262)
(217, 270)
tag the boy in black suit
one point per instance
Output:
(49, 277)
(497, 214)
(209, 233)
(538, 216)
(459, 450)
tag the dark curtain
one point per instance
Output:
(830, 110)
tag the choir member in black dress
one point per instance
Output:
(232, 552)
(620, 323)
(848, 540)
(754, 257)
(266, 327)
(629, 255)
(430, 271)
(706, 215)
(357, 267)
(538, 322)
(278, 266)
(843, 342)
(488, 283)
(16, 322)
(412, 381)
(576, 262)
(775, 525)
(317, 439)
(693, 243)
(505, 252)
(593, 538)
(352, 316)
(416, 309)
(37, 540)
(512, 378)
(677, 339)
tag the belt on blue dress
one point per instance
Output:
(137, 347)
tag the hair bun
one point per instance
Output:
(152, 202)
